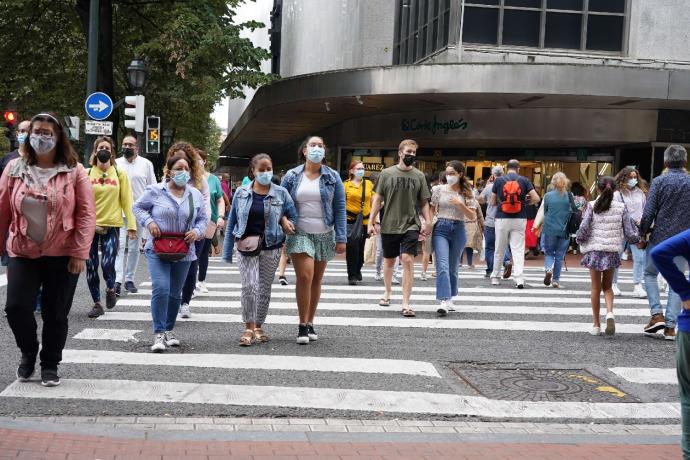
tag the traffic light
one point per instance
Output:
(11, 120)
(153, 135)
(135, 112)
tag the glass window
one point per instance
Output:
(521, 27)
(607, 6)
(524, 3)
(574, 5)
(483, 2)
(415, 20)
(563, 30)
(480, 25)
(604, 33)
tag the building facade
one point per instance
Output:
(580, 86)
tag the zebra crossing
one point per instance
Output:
(368, 359)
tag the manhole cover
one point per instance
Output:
(549, 385)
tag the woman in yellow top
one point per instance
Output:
(113, 196)
(356, 203)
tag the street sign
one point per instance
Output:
(98, 106)
(99, 128)
(72, 123)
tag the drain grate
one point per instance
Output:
(548, 385)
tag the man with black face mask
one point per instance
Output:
(141, 175)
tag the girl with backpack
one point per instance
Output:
(605, 225)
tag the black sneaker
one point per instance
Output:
(520, 286)
(311, 333)
(283, 280)
(130, 287)
(352, 281)
(26, 367)
(303, 334)
(110, 298)
(487, 274)
(50, 377)
(118, 289)
(359, 276)
(96, 311)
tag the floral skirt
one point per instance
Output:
(320, 247)
(601, 260)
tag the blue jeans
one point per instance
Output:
(639, 262)
(449, 240)
(652, 288)
(683, 371)
(554, 252)
(167, 279)
(489, 245)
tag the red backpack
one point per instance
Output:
(511, 197)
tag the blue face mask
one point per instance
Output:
(359, 173)
(632, 183)
(316, 154)
(181, 178)
(264, 177)
(21, 137)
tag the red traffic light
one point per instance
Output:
(10, 117)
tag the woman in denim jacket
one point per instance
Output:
(251, 205)
(319, 196)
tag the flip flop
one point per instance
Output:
(408, 313)
(385, 302)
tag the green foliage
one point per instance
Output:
(193, 49)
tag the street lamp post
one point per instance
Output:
(136, 77)
(167, 138)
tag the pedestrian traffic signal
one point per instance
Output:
(135, 112)
(10, 118)
(153, 142)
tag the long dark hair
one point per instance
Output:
(465, 184)
(255, 159)
(606, 186)
(303, 145)
(64, 152)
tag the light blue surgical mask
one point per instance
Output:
(264, 177)
(316, 154)
(359, 173)
(632, 183)
(181, 178)
(21, 137)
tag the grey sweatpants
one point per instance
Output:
(257, 275)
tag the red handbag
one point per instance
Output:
(171, 246)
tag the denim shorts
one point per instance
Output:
(320, 246)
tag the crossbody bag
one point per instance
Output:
(171, 246)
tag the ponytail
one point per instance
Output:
(606, 186)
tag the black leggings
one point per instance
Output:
(200, 265)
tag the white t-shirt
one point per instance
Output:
(140, 173)
(309, 207)
(34, 208)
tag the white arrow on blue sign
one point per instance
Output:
(98, 106)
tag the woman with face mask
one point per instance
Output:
(318, 193)
(113, 196)
(48, 210)
(358, 193)
(171, 206)
(631, 190)
(263, 213)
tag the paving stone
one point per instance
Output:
(175, 426)
(415, 423)
(115, 419)
(270, 421)
(401, 429)
(339, 421)
(231, 421)
(448, 423)
(328, 428)
(254, 428)
(135, 426)
(307, 421)
(213, 427)
(70, 419)
(293, 428)
(380, 422)
(367, 428)
(155, 419)
(195, 420)
(437, 429)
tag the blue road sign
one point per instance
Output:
(98, 106)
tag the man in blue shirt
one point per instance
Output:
(665, 256)
(667, 208)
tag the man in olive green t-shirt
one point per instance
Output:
(401, 188)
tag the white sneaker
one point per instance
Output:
(395, 279)
(617, 292)
(495, 282)
(378, 277)
(185, 312)
(663, 285)
(202, 287)
(610, 325)
(158, 343)
(443, 308)
(624, 256)
(451, 305)
(639, 292)
(423, 276)
(596, 330)
(171, 340)
(555, 284)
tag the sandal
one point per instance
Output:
(247, 338)
(408, 313)
(260, 336)
(385, 303)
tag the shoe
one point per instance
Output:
(507, 270)
(26, 367)
(451, 305)
(520, 286)
(487, 274)
(96, 311)
(610, 325)
(110, 299)
(596, 330)
(395, 280)
(555, 284)
(423, 276)
(663, 285)
(171, 340)
(443, 308)
(655, 324)
(495, 282)
(195, 292)
(311, 333)
(639, 292)
(118, 289)
(130, 287)
(547, 278)
(669, 333)
(378, 277)
(624, 256)
(359, 276)
(617, 292)
(303, 334)
(352, 281)
(283, 281)
(158, 343)
(50, 377)
(185, 312)
(202, 287)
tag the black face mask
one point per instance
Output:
(103, 156)
(408, 160)
(128, 153)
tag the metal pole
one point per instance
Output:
(92, 75)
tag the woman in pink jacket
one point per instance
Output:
(47, 222)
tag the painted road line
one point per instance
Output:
(647, 375)
(397, 322)
(262, 362)
(118, 335)
(335, 399)
(461, 308)
(3, 280)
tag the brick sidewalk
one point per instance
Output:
(17, 444)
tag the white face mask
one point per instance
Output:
(452, 180)
(41, 143)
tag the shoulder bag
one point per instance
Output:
(171, 246)
(575, 218)
(354, 229)
(251, 246)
